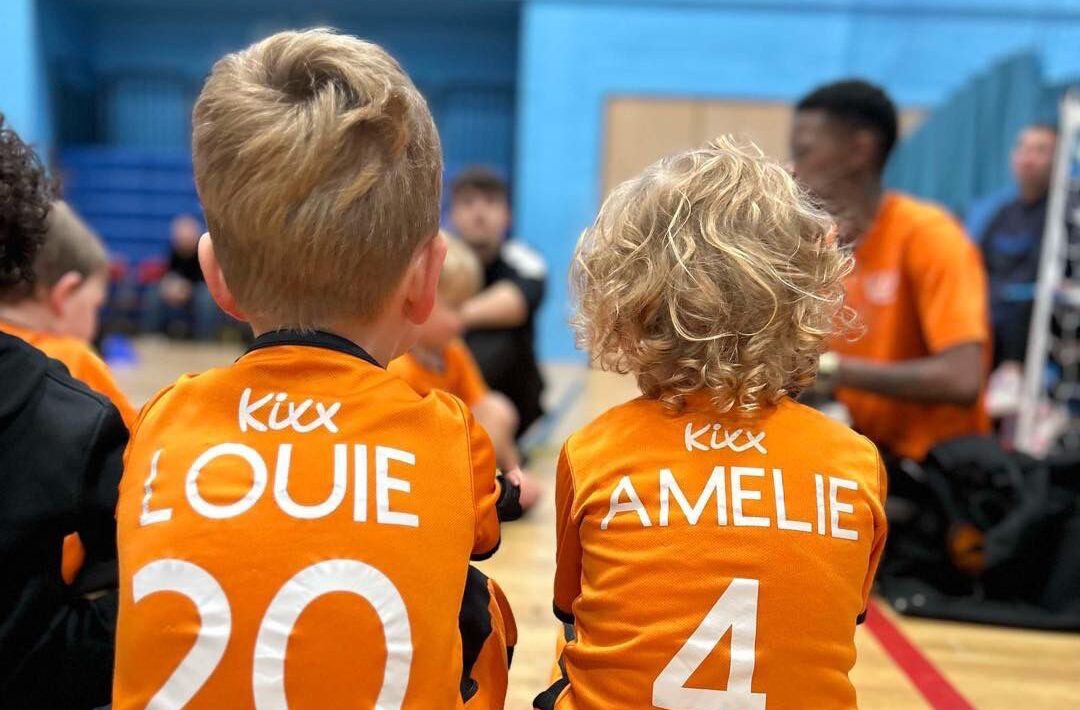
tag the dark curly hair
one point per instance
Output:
(26, 193)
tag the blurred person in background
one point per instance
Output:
(1011, 247)
(58, 313)
(500, 320)
(916, 376)
(180, 302)
(440, 361)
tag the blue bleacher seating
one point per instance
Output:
(130, 196)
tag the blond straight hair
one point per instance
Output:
(320, 173)
(70, 246)
(711, 272)
(462, 276)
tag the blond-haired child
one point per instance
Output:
(441, 360)
(296, 528)
(714, 517)
(58, 311)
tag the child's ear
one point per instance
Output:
(423, 279)
(62, 290)
(215, 280)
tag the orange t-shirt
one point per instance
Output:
(460, 375)
(81, 361)
(713, 562)
(919, 288)
(299, 525)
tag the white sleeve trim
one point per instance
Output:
(524, 260)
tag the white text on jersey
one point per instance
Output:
(739, 480)
(729, 439)
(259, 472)
(323, 415)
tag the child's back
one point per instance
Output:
(272, 494)
(697, 525)
(58, 312)
(716, 540)
(84, 365)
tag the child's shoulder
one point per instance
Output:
(390, 397)
(84, 355)
(622, 422)
(642, 421)
(187, 386)
(80, 359)
(68, 350)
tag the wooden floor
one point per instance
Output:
(993, 669)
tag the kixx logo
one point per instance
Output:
(322, 416)
(721, 439)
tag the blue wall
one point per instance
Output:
(574, 54)
(139, 65)
(148, 62)
(22, 86)
(124, 76)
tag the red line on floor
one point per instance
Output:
(924, 675)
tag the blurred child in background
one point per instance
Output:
(500, 320)
(441, 361)
(58, 312)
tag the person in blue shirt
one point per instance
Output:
(1011, 243)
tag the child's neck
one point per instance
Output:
(28, 314)
(381, 339)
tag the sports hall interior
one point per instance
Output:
(565, 99)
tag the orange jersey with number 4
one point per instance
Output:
(710, 562)
(295, 531)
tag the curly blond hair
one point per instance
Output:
(712, 271)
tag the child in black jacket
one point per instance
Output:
(61, 449)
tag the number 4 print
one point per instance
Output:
(736, 609)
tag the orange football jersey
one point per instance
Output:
(296, 528)
(81, 361)
(710, 562)
(460, 375)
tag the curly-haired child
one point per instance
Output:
(717, 540)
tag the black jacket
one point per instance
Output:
(61, 451)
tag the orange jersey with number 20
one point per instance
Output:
(295, 531)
